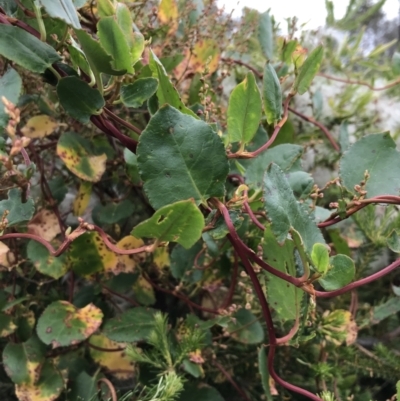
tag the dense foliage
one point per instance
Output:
(195, 208)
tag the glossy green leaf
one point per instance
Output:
(284, 211)
(96, 55)
(10, 88)
(320, 257)
(341, 272)
(376, 154)
(112, 212)
(180, 222)
(113, 41)
(73, 149)
(44, 262)
(393, 241)
(308, 71)
(272, 94)
(62, 9)
(21, 361)
(265, 35)
(244, 111)
(247, 329)
(133, 325)
(18, 212)
(286, 156)
(25, 49)
(106, 8)
(166, 92)
(78, 99)
(180, 158)
(134, 95)
(283, 297)
(62, 324)
(134, 39)
(48, 387)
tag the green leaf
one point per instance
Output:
(308, 71)
(389, 308)
(78, 99)
(23, 360)
(180, 222)
(84, 387)
(376, 154)
(44, 262)
(344, 136)
(320, 257)
(341, 272)
(166, 92)
(62, 9)
(244, 110)
(132, 169)
(180, 158)
(96, 56)
(263, 369)
(265, 35)
(182, 263)
(133, 325)
(62, 324)
(192, 392)
(283, 297)
(105, 8)
(7, 325)
(113, 41)
(144, 291)
(134, 39)
(220, 229)
(73, 149)
(393, 241)
(286, 156)
(396, 63)
(58, 188)
(285, 212)
(247, 329)
(25, 49)
(10, 88)
(134, 95)
(18, 212)
(272, 94)
(398, 390)
(113, 212)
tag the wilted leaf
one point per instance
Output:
(82, 199)
(39, 126)
(73, 150)
(168, 15)
(62, 324)
(44, 224)
(115, 362)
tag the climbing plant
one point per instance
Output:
(195, 207)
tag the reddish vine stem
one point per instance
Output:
(362, 83)
(279, 125)
(236, 243)
(319, 125)
(111, 388)
(117, 294)
(230, 379)
(232, 287)
(243, 64)
(122, 121)
(96, 347)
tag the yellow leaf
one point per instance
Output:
(168, 15)
(82, 198)
(161, 257)
(128, 263)
(39, 126)
(44, 224)
(117, 363)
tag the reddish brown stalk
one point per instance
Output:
(243, 64)
(111, 388)
(122, 121)
(105, 349)
(117, 294)
(362, 83)
(279, 125)
(319, 125)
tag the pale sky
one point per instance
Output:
(311, 11)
